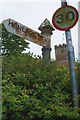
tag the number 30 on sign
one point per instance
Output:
(65, 18)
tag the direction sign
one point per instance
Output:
(18, 29)
(65, 18)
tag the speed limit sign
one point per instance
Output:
(65, 18)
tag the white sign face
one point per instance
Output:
(65, 18)
(25, 32)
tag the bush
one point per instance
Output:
(33, 91)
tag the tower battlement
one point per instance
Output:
(60, 46)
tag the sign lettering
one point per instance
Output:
(23, 31)
(70, 16)
(60, 18)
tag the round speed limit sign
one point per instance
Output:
(65, 18)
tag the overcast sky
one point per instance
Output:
(32, 13)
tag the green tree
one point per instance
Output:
(11, 43)
(34, 91)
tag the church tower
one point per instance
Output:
(61, 54)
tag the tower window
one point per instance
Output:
(62, 51)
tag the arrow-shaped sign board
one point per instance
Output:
(17, 28)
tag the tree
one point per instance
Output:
(11, 43)
(34, 91)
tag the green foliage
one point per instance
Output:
(34, 91)
(11, 43)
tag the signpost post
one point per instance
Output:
(64, 19)
(46, 30)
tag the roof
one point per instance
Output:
(46, 25)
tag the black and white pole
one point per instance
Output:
(71, 58)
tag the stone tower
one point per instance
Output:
(61, 54)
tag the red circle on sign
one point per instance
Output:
(59, 13)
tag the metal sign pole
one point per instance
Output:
(71, 58)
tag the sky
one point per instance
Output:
(32, 13)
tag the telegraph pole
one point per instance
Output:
(71, 58)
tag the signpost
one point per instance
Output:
(18, 29)
(43, 39)
(64, 19)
